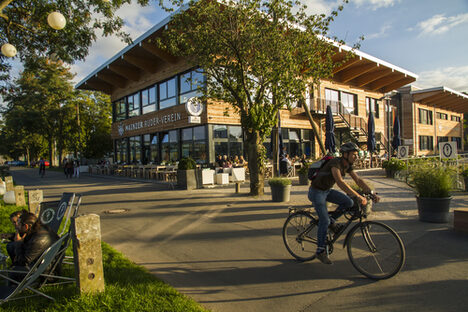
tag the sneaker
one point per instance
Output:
(323, 257)
(335, 227)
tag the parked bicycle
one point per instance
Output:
(374, 248)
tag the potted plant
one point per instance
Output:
(392, 166)
(302, 173)
(186, 175)
(433, 185)
(280, 189)
(464, 174)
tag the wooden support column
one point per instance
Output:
(86, 236)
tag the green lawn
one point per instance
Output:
(129, 287)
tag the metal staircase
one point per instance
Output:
(349, 123)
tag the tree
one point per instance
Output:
(259, 56)
(40, 103)
(23, 23)
(95, 109)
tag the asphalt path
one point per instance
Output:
(225, 250)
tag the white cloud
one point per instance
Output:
(439, 24)
(321, 6)
(452, 77)
(374, 4)
(380, 34)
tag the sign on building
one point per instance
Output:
(448, 149)
(402, 151)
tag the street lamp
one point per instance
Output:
(56, 20)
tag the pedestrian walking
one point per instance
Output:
(42, 167)
(76, 166)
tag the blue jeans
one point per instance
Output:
(320, 198)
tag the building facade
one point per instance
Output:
(153, 121)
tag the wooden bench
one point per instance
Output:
(460, 220)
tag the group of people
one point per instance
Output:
(230, 161)
(71, 168)
(30, 240)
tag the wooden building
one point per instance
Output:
(153, 123)
(430, 116)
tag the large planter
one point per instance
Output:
(280, 193)
(434, 210)
(390, 173)
(188, 179)
(303, 178)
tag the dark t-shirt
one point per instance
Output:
(325, 180)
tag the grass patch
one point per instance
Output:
(129, 287)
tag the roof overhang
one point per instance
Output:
(143, 58)
(368, 72)
(443, 98)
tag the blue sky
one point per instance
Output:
(426, 37)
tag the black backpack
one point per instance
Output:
(316, 166)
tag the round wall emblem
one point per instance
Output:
(194, 106)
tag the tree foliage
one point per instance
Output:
(23, 23)
(259, 56)
(43, 110)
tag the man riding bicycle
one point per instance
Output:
(321, 192)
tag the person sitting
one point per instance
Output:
(32, 240)
(14, 219)
(285, 165)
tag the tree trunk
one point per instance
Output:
(315, 129)
(50, 152)
(256, 164)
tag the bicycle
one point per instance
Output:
(374, 249)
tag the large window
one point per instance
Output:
(191, 85)
(426, 143)
(167, 93)
(154, 145)
(227, 140)
(133, 104)
(120, 111)
(332, 98)
(135, 149)
(148, 100)
(170, 146)
(441, 116)
(372, 105)
(194, 143)
(349, 102)
(455, 118)
(458, 140)
(441, 139)
(121, 150)
(425, 116)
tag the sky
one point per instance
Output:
(426, 37)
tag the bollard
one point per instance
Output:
(35, 198)
(238, 186)
(19, 196)
(9, 183)
(86, 236)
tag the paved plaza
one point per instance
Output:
(225, 250)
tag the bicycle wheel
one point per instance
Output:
(376, 250)
(300, 235)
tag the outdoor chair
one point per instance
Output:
(32, 278)
(52, 213)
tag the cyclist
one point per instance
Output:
(321, 191)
